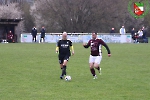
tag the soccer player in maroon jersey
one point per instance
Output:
(96, 53)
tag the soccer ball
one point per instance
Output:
(67, 78)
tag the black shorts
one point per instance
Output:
(42, 36)
(63, 57)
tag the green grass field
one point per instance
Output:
(31, 72)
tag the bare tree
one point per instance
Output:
(69, 15)
(28, 18)
(83, 15)
(10, 11)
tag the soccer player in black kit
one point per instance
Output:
(96, 53)
(63, 48)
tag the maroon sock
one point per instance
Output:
(93, 71)
(98, 68)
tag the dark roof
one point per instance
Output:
(10, 20)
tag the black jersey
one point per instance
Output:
(64, 46)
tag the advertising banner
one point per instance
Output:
(49, 38)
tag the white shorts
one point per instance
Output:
(95, 59)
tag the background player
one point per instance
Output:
(96, 53)
(63, 47)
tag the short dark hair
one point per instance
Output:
(94, 33)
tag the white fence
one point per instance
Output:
(78, 38)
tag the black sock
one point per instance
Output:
(64, 70)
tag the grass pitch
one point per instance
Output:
(31, 72)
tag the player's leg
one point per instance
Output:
(91, 64)
(35, 38)
(32, 38)
(93, 71)
(40, 39)
(61, 67)
(66, 59)
(44, 39)
(97, 64)
(65, 67)
(61, 64)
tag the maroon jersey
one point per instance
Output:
(95, 45)
(10, 36)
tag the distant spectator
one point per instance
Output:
(140, 32)
(144, 32)
(42, 34)
(34, 33)
(112, 31)
(10, 37)
(132, 33)
(122, 31)
(135, 38)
